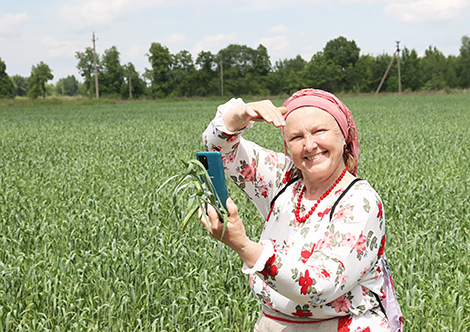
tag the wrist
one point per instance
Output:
(250, 252)
(232, 119)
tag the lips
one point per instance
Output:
(316, 156)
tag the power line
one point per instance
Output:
(396, 54)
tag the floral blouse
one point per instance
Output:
(323, 268)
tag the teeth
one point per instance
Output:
(315, 157)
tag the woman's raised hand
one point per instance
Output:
(240, 116)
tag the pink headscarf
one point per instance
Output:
(331, 104)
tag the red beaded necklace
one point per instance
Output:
(309, 213)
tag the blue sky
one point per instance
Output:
(52, 31)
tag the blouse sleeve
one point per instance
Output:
(345, 256)
(257, 171)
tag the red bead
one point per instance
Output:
(309, 213)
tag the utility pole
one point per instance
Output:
(399, 73)
(96, 70)
(221, 78)
(130, 85)
(396, 54)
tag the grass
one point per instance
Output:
(86, 243)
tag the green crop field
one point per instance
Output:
(88, 244)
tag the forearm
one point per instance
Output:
(249, 253)
(232, 119)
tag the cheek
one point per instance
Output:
(294, 147)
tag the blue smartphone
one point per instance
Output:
(212, 162)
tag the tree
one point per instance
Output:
(410, 70)
(87, 69)
(160, 75)
(362, 79)
(382, 62)
(433, 66)
(111, 73)
(7, 89)
(287, 76)
(464, 63)
(21, 85)
(67, 86)
(135, 86)
(344, 54)
(261, 69)
(244, 69)
(207, 82)
(183, 74)
(40, 74)
(322, 73)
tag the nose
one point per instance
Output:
(309, 143)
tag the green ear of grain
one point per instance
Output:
(192, 191)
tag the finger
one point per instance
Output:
(283, 110)
(265, 111)
(232, 208)
(259, 114)
(213, 217)
(204, 220)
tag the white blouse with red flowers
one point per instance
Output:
(321, 268)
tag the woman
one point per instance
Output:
(316, 266)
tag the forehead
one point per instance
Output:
(309, 116)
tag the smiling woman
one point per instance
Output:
(319, 263)
(316, 145)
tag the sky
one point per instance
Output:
(52, 31)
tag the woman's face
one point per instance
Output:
(315, 142)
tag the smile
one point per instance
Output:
(316, 156)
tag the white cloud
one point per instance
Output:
(176, 39)
(421, 11)
(97, 13)
(361, 1)
(278, 46)
(213, 43)
(278, 29)
(11, 25)
(56, 48)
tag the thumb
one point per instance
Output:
(232, 208)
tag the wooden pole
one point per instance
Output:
(386, 72)
(96, 70)
(130, 85)
(221, 78)
(399, 72)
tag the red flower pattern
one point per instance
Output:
(324, 213)
(341, 304)
(382, 247)
(360, 245)
(325, 273)
(300, 313)
(269, 268)
(305, 282)
(343, 324)
(380, 214)
(306, 254)
(287, 177)
(249, 171)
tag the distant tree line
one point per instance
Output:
(240, 70)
